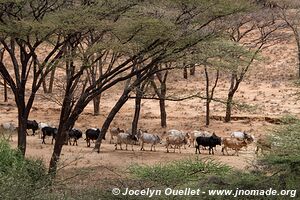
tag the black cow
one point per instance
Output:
(33, 125)
(211, 142)
(91, 134)
(74, 134)
(48, 131)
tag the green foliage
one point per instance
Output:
(285, 148)
(289, 119)
(21, 178)
(191, 173)
(244, 107)
(179, 172)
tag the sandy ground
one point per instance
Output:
(269, 89)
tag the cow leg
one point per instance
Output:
(167, 148)
(180, 149)
(256, 151)
(234, 151)
(116, 146)
(132, 147)
(33, 132)
(226, 151)
(142, 148)
(43, 142)
(193, 143)
(198, 148)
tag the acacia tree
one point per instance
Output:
(49, 89)
(199, 19)
(161, 91)
(96, 69)
(214, 56)
(139, 91)
(149, 32)
(289, 11)
(24, 30)
(210, 92)
(73, 107)
(255, 32)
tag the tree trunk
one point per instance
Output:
(229, 107)
(65, 124)
(122, 100)
(5, 91)
(299, 62)
(162, 104)
(234, 85)
(163, 113)
(138, 99)
(192, 70)
(185, 73)
(207, 112)
(52, 76)
(44, 85)
(298, 53)
(65, 120)
(22, 125)
(96, 103)
(4, 81)
(207, 95)
(161, 93)
(58, 145)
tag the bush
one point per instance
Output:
(191, 173)
(284, 155)
(21, 178)
(179, 172)
(289, 119)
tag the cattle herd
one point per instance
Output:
(174, 139)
